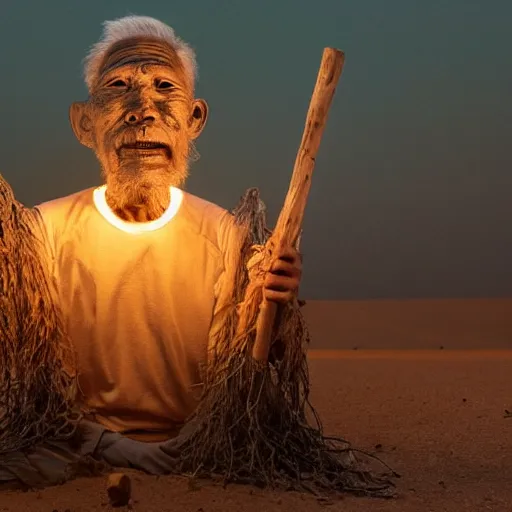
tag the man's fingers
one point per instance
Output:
(278, 297)
(280, 283)
(284, 268)
(289, 254)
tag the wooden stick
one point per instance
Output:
(289, 223)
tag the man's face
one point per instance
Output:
(141, 118)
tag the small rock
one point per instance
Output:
(378, 446)
(119, 489)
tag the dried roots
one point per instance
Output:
(252, 424)
(37, 385)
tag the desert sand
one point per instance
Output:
(411, 324)
(436, 416)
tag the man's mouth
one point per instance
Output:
(145, 148)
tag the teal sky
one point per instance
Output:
(411, 191)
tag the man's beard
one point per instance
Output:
(135, 191)
(146, 191)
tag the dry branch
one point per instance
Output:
(289, 223)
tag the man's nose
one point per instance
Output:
(142, 115)
(138, 108)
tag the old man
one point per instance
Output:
(137, 263)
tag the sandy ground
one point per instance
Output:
(438, 416)
(408, 324)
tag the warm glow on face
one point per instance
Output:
(137, 227)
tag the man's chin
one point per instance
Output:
(147, 182)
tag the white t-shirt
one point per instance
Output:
(138, 306)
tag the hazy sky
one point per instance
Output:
(412, 187)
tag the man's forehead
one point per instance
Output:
(139, 50)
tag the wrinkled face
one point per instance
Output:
(140, 120)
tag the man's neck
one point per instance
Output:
(139, 213)
(146, 212)
(140, 219)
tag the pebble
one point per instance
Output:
(119, 489)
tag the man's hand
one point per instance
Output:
(282, 281)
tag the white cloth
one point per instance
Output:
(138, 306)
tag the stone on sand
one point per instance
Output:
(119, 489)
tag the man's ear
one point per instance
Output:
(81, 123)
(198, 118)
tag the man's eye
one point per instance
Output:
(164, 85)
(117, 83)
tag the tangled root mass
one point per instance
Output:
(255, 423)
(37, 383)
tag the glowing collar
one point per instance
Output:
(137, 227)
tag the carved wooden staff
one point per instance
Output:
(289, 223)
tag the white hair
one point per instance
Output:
(136, 26)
